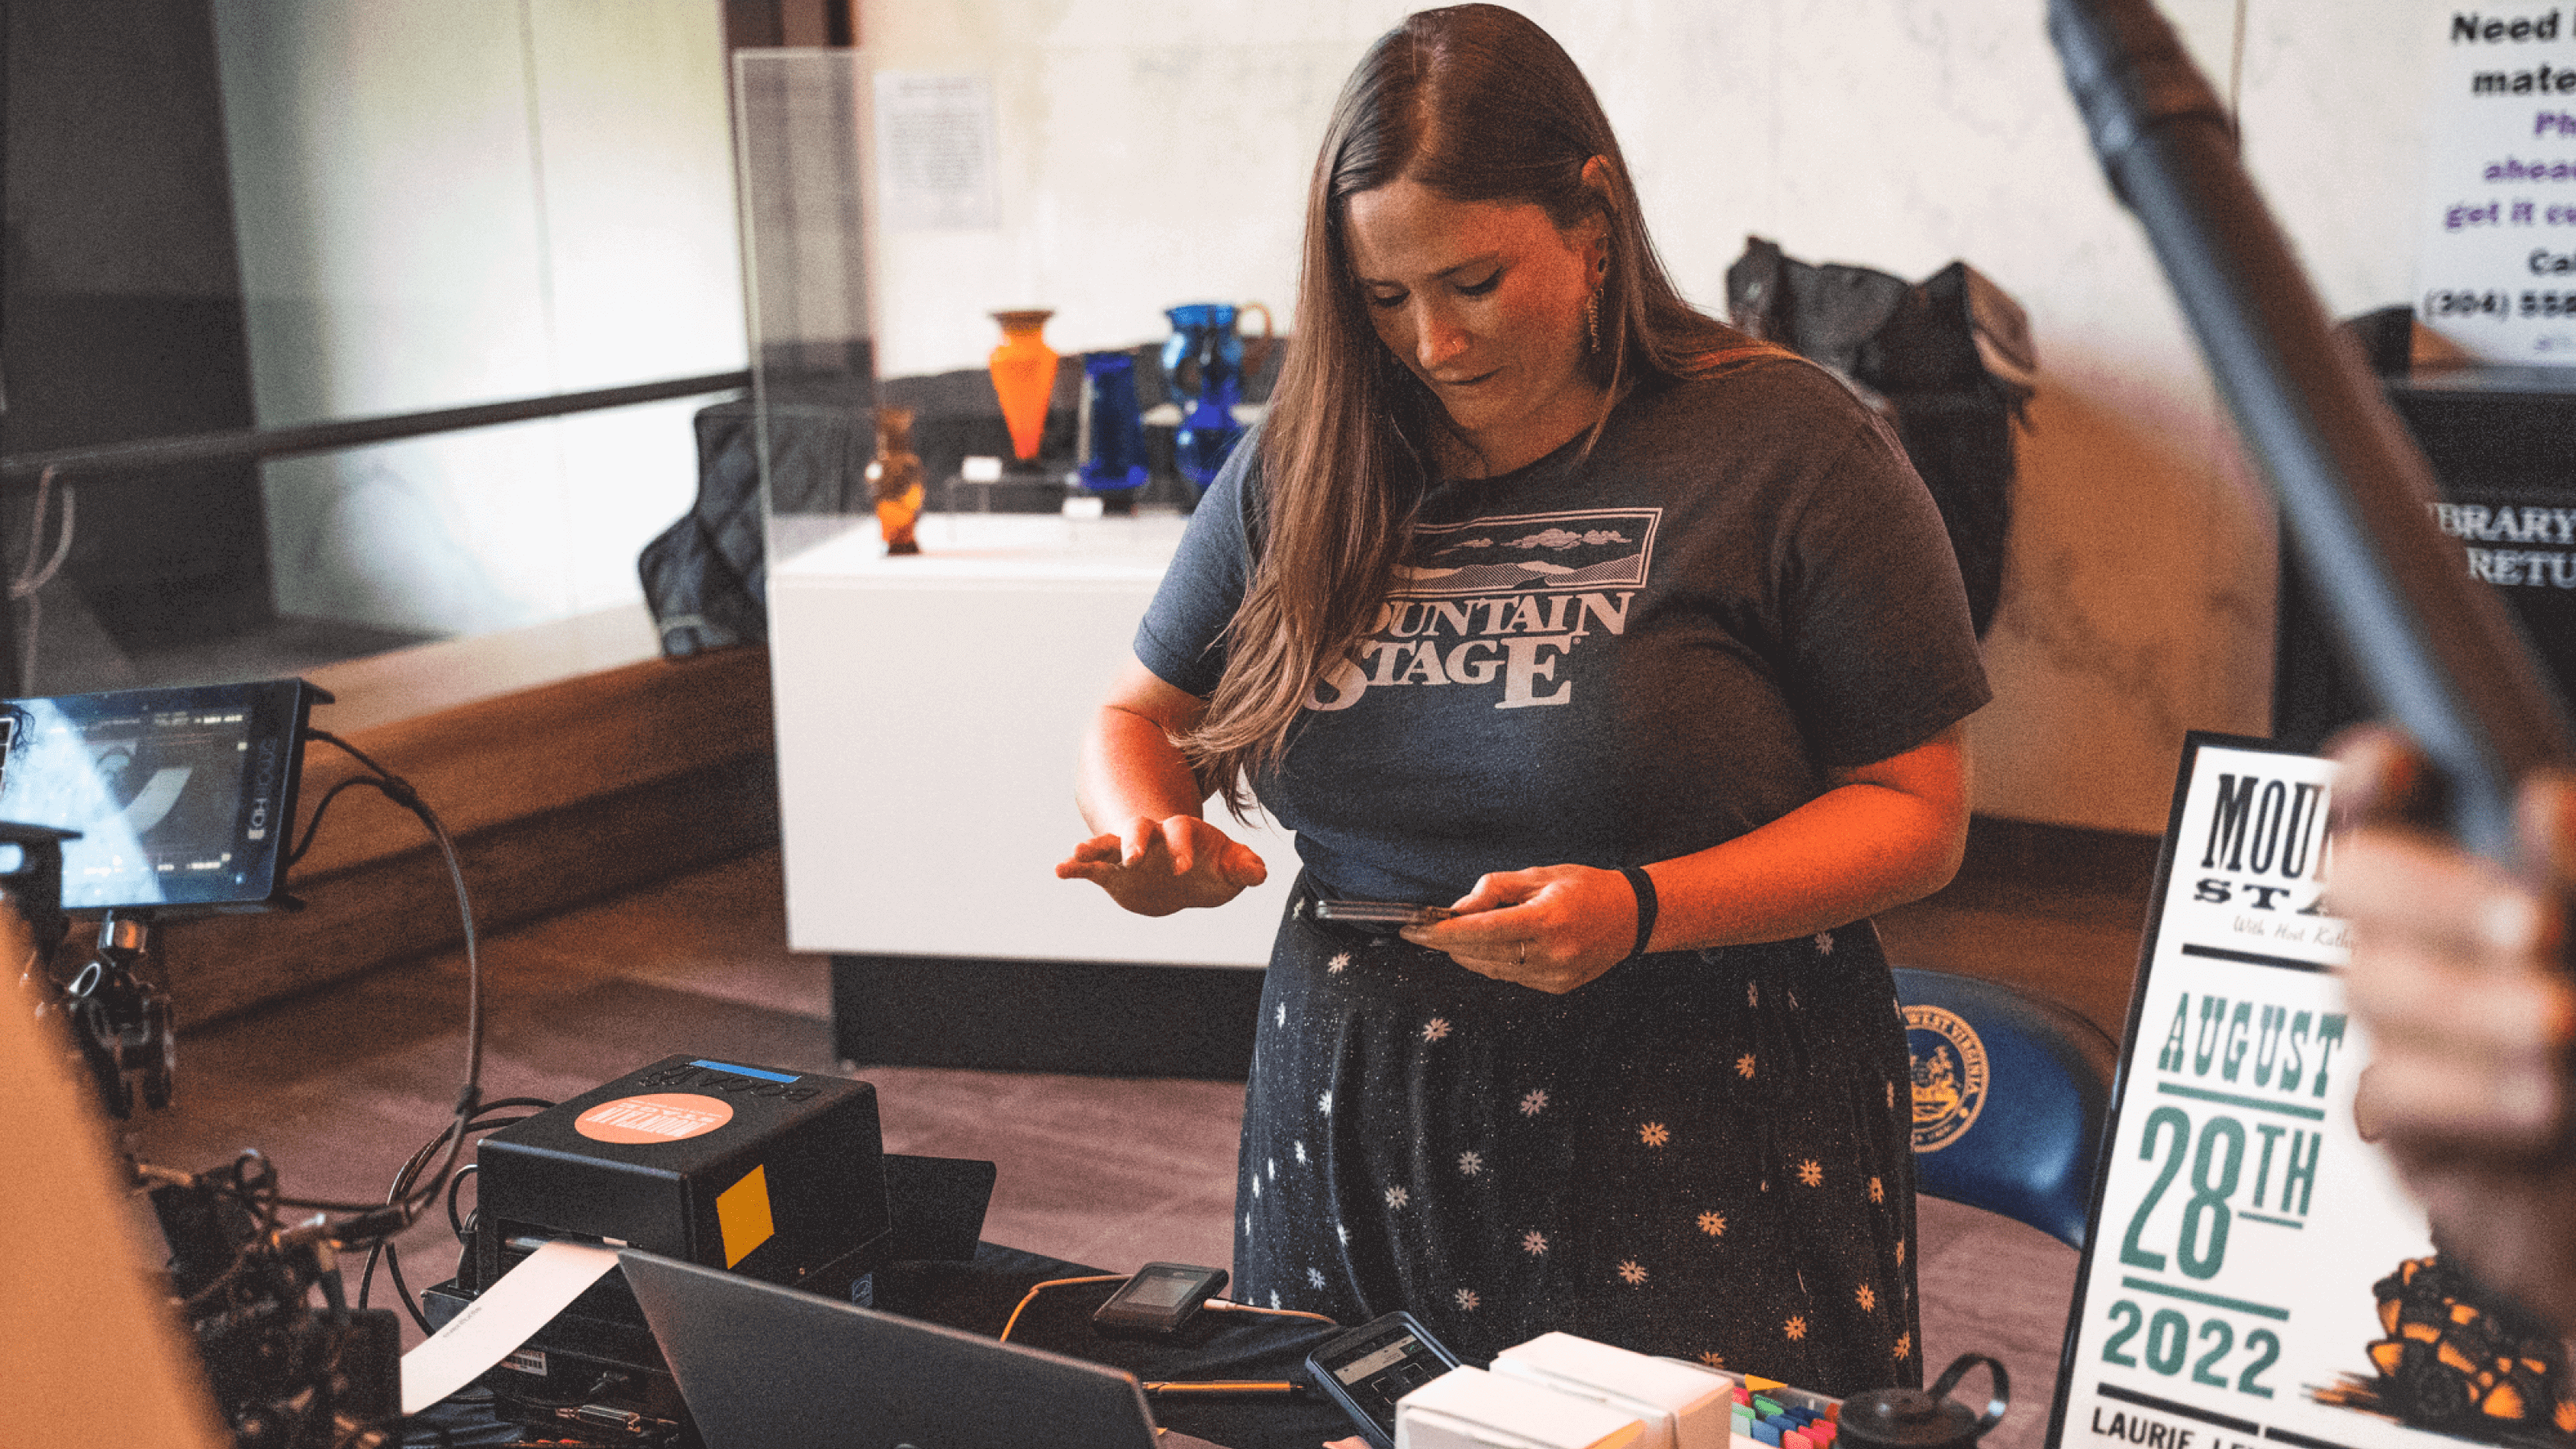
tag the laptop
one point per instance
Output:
(760, 1365)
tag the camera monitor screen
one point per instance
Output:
(183, 798)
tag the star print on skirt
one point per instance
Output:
(1594, 1162)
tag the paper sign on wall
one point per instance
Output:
(2496, 274)
(936, 167)
(2254, 1274)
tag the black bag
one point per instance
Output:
(706, 577)
(1945, 360)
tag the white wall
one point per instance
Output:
(452, 201)
(1156, 151)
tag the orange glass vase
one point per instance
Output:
(1023, 369)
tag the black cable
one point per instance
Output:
(382, 1248)
(469, 1100)
(508, 1104)
(251, 1181)
(402, 1290)
(393, 1196)
(481, 1124)
(453, 1183)
(221, 1281)
(353, 752)
(335, 1298)
(400, 790)
(314, 825)
(254, 1184)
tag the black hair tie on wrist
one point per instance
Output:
(1644, 885)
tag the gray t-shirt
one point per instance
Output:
(1615, 659)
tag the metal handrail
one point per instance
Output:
(300, 438)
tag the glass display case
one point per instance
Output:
(929, 703)
(241, 219)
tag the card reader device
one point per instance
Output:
(1370, 1367)
(1158, 1299)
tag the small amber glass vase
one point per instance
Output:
(1023, 369)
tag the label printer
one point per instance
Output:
(778, 1175)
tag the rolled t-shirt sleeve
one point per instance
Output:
(1884, 654)
(1182, 636)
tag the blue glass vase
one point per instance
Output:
(1113, 429)
(1203, 358)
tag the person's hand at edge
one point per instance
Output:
(1156, 867)
(2459, 971)
(1552, 928)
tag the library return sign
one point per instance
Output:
(2254, 1275)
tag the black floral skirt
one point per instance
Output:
(1701, 1154)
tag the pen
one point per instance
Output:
(1224, 1388)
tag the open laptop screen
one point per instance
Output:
(759, 1364)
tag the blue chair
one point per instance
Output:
(2010, 1093)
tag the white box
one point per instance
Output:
(931, 710)
(1681, 1407)
(1468, 1408)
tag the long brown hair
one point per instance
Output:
(1477, 103)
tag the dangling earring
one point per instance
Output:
(1592, 304)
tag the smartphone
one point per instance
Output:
(1158, 1299)
(1370, 1367)
(1385, 917)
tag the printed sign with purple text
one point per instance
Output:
(2496, 274)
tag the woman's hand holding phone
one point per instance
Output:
(1156, 867)
(1552, 928)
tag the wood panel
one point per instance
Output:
(556, 796)
(539, 750)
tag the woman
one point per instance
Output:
(1546, 597)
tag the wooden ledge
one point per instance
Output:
(557, 795)
(493, 761)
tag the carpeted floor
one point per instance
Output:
(339, 1087)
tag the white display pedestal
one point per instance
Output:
(929, 711)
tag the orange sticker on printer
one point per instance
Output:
(661, 1117)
